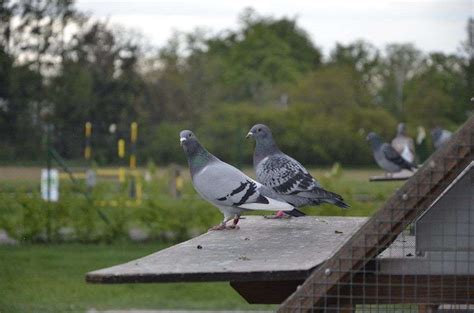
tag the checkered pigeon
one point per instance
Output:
(285, 175)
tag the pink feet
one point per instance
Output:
(278, 215)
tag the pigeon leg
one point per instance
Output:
(278, 215)
(222, 226)
(234, 223)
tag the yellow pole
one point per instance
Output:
(134, 132)
(121, 155)
(133, 139)
(88, 133)
(135, 187)
(121, 148)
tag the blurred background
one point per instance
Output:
(93, 95)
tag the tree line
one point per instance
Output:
(62, 67)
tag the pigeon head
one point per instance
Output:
(401, 128)
(436, 132)
(265, 145)
(374, 139)
(260, 132)
(189, 142)
(197, 156)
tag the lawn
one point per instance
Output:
(50, 278)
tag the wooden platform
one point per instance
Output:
(276, 255)
(403, 175)
(261, 250)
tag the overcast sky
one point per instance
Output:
(432, 25)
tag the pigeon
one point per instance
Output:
(387, 157)
(403, 144)
(440, 136)
(285, 175)
(226, 187)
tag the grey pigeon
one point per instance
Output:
(386, 156)
(285, 175)
(227, 188)
(440, 136)
(404, 145)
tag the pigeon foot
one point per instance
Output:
(224, 227)
(278, 215)
(217, 227)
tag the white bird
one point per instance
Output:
(403, 144)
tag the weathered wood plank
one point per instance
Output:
(266, 292)
(403, 175)
(261, 250)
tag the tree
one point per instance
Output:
(262, 53)
(363, 59)
(434, 96)
(400, 64)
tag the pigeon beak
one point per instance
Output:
(182, 140)
(250, 134)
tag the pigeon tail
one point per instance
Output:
(295, 213)
(335, 199)
(409, 165)
(337, 202)
(320, 195)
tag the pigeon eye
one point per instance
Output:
(259, 129)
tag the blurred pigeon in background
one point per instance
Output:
(227, 188)
(403, 144)
(285, 175)
(386, 156)
(440, 136)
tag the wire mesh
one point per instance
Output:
(416, 254)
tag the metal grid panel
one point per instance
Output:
(415, 254)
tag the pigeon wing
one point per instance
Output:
(285, 175)
(393, 156)
(225, 185)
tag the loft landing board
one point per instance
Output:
(403, 175)
(261, 250)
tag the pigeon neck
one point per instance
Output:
(199, 158)
(264, 148)
(376, 143)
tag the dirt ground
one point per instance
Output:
(19, 173)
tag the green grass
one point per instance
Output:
(50, 278)
(27, 218)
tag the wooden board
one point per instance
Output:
(261, 250)
(403, 175)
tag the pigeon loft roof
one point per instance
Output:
(350, 263)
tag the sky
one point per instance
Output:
(432, 25)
